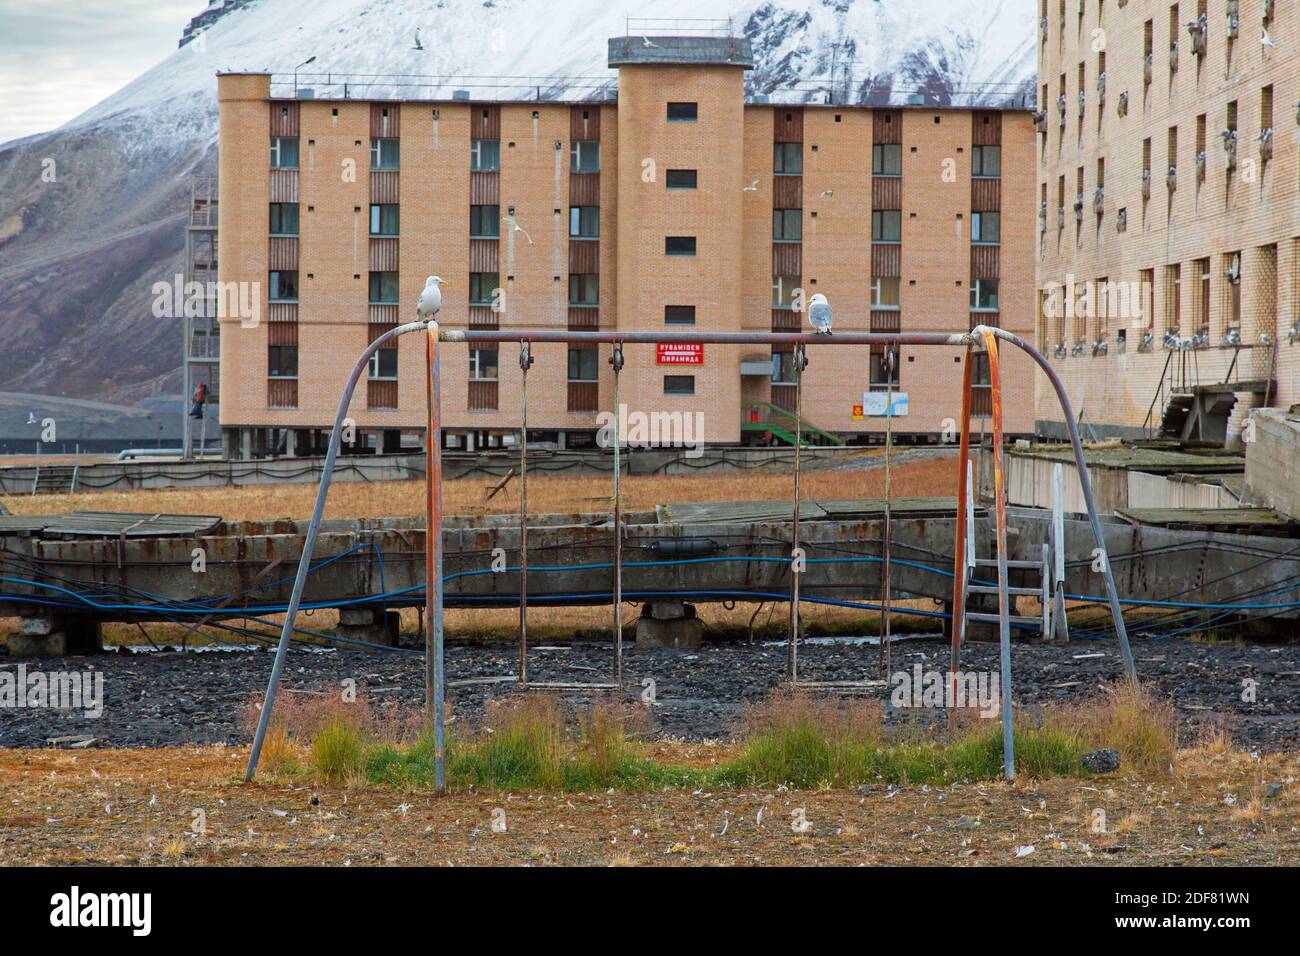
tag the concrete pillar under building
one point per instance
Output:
(44, 633)
(669, 624)
(371, 625)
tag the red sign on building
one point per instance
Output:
(680, 353)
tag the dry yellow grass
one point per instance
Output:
(467, 495)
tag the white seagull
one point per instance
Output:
(819, 314)
(430, 299)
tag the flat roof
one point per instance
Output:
(694, 50)
(1155, 460)
(104, 524)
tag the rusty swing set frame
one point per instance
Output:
(981, 340)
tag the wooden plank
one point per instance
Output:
(385, 120)
(484, 189)
(284, 118)
(384, 186)
(584, 123)
(787, 124)
(383, 255)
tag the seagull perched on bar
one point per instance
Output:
(819, 314)
(430, 298)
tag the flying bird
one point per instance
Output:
(430, 298)
(752, 187)
(819, 314)
(645, 41)
(1265, 39)
(518, 228)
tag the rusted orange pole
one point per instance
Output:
(959, 554)
(1000, 510)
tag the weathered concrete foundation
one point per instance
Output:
(669, 624)
(45, 634)
(371, 625)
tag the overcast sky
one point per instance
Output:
(60, 57)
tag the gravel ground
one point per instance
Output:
(167, 698)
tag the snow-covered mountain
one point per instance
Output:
(78, 254)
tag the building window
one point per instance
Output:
(679, 245)
(784, 291)
(886, 225)
(787, 159)
(883, 373)
(584, 222)
(284, 152)
(782, 368)
(385, 153)
(984, 295)
(383, 288)
(483, 287)
(483, 365)
(485, 222)
(884, 292)
(683, 112)
(787, 225)
(284, 219)
(282, 361)
(679, 315)
(484, 155)
(383, 219)
(985, 227)
(986, 162)
(679, 384)
(584, 360)
(584, 288)
(584, 156)
(383, 365)
(680, 179)
(284, 286)
(886, 159)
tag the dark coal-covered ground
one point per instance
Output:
(169, 698)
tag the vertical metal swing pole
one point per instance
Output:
(309, 542)
(1060, 623)
(525, 363)
(999, 503)
(434, 675)
(886, 549)
(617, 361)
(961, 545)
(796, 560)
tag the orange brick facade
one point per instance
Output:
(728, 144)
(1155, 169)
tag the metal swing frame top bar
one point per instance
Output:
(983, 338)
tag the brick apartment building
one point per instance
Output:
(1167, 177)
(682, 203)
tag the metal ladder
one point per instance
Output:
(1050, 590)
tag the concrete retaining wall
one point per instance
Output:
(1273, 461)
